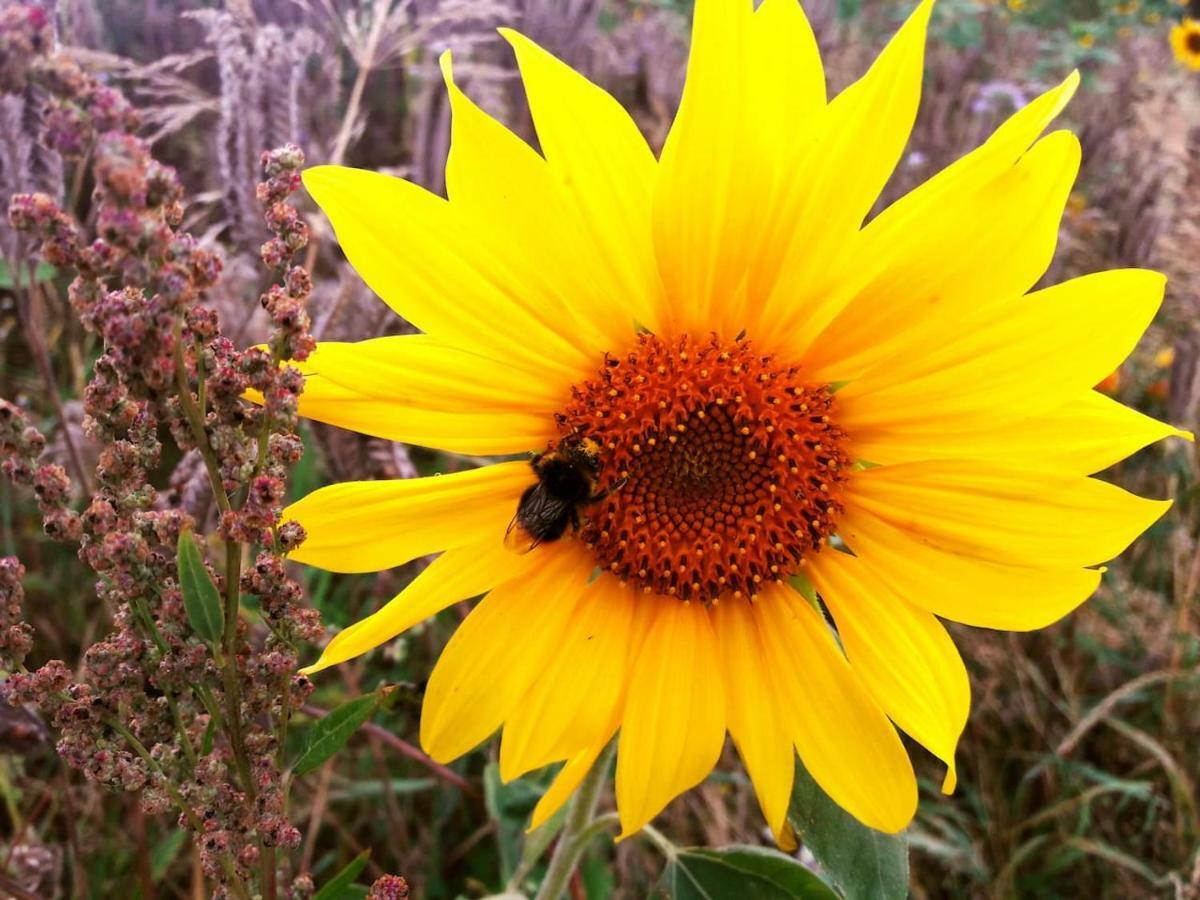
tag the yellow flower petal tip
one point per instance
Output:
(446, 65)
(801, 383)
(786, 838)
(950, 782)
(317, 179)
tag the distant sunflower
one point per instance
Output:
(741, 395)
(1185, 42)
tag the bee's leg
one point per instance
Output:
(611, 489)
(576, 520)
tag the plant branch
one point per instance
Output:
(41, 356)
(577, 831)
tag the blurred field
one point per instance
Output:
(1078, 768)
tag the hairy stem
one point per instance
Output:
(196, 423)
(227, 661)
(228, 665)
(577, 830)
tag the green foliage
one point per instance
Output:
(42, 272)
(201, 599)
(165, 852)
(328, 735)
(509, 806)
(863, 864)
(341, 886)
(749, 873)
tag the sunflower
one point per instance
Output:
(774, 418)
(1185, 42)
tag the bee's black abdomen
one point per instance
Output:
(566, 480)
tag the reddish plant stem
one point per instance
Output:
(41, 358)
(406, 749)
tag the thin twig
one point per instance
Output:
(41, 357)
(316, 813)
(18, 892)
(1101, 710)
(365, 65)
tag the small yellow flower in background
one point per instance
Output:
(737, 392)
(1127, 9)
(1086, 41)
(1015, 5)
(1152, 18)
(1185, 42)
(1124, 32)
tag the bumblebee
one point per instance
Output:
(567, 480)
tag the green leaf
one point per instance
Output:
(201, 599)
(164, 853)
(863, 864)
(206, 740)
(748, 873)
(43, 272)
(341, 885)
(597, 876)
(509, 806)
(328, 735)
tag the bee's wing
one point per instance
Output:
(517, 539)
(537, 508)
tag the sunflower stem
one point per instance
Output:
(577, 831)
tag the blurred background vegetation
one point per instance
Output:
(1078, 768)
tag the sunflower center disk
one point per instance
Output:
(732, 466)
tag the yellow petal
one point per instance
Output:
(417, 370)
(445, 274)
(786, 79)
(938, 257)
(702, 205)
(565, 782)
(902, 654)
(785, 99)
(1086, 435)
(846, 742)
(499, 650)
(756, 721)
(1008, 142)
(1011, 597)
(674, 721)
(606, 170)
(574, 700)
(481, 432)
(368, 526)
(1017, 359)
(1005, 514)
(857, 144)
(456, 575)
(498, 182)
